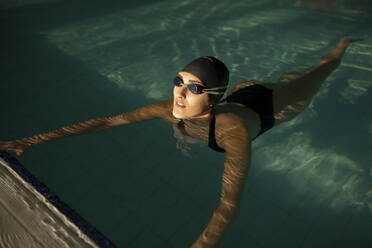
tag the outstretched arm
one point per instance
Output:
(149, 112)
(237, 162)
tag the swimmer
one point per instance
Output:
(251, 108)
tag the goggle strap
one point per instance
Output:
(214, 93)
(214, 89)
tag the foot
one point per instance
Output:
(345, 41)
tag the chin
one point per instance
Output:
(177, 115)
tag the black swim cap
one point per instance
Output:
(211, 71)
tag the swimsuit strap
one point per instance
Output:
(212, 137)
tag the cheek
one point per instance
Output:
(199, 102)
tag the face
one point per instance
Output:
(194, 105)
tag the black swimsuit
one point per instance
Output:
(256, 97)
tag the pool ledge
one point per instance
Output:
(33, 216)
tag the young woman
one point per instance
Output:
(251, 108)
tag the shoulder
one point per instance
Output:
(232, 118)
(226, 123)
(232, 133)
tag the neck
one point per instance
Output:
(201, 117)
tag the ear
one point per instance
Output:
(212, 100)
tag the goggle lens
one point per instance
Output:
(194, 88)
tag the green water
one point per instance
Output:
(70, 61)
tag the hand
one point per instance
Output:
(17, 146)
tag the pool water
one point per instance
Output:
(310, 182)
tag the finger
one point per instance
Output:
(19, 153)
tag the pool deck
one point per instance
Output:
(33, 216)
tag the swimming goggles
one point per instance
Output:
(197, 88)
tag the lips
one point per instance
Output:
(180, 105)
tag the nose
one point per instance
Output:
(180, 91)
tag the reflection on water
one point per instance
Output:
(347, 182)
(184, 142)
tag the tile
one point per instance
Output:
(103, 211)
(332, 224)
(125, 228)
(126, 134)
(119, 186)
(267, 223)
(305, 207)
(281, 193)
(207, 194)
(192, 179)
(148, 239)
(239, 241)
(47, 153)
(134, 192)
(318, 239)
(242, 231)
(290, 233)
(191, 229)
(250, 209)
(358, 232)
(21, 122)
(165, 211)
(272, 187)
